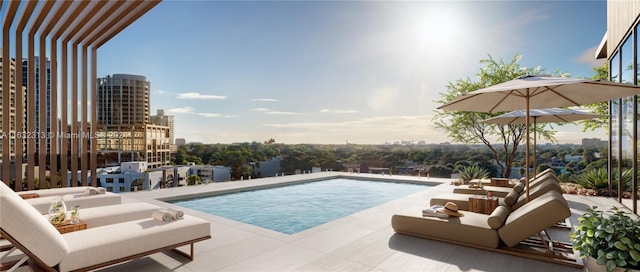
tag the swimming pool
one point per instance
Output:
(294, 208)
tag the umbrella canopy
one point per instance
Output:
(552, 115)
(539, 92)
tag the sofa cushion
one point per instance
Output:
(497, 217)
(511, 198)
(26, 225)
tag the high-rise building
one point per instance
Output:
(123, 100)
(126, 132)
(123, 113)
(11, 87)
(165, 120)
(37, 108)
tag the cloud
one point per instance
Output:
(532, 16)
(181, 110)
(159, 92)
(209, 114)
(588, 57)
(282, 113)
(338, 111)
(260, 109)
(193, 95)
(264, 100)
(372, 122)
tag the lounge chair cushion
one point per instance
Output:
(462, 200)
(25, 224)
(113, 214)
(496, 190)
(518, 187)
(83, 200)
(497, 217)
(534, 192)
(111, 242)
(511, 198)
(57, 191)
(472, 228)
(533, 217)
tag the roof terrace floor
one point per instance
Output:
(363, 241)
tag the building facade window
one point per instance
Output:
(624, 123)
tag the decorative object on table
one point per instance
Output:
(75, 215)
(613, 241)
(57, 211)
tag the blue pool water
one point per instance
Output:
(294, 208)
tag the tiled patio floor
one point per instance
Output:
(363, 241)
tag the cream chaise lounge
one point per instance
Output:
(56, 191)
(513, 200)
(500, 231)
(82, 199)
(94, 247)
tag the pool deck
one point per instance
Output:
(363, 241)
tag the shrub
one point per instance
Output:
(614, 241)
(594, 179)
(468, 173)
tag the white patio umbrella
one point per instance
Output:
(539, 92)
(551, 115)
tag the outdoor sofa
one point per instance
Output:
(102, 244)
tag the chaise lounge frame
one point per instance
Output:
(43, 267)
(560, 253)
(59, 250)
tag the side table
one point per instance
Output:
(482, 204)
(66, 227)
(501, 182)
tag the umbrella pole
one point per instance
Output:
(535, 147)
(527, 146)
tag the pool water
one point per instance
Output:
(294, 208)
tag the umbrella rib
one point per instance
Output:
(507, 94)
(561, 95)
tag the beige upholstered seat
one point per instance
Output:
(503, 191)
(94, 247)
(546, 185)
(56, 191)
(475, 229)
(84, 200)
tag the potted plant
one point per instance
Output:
(613, 241)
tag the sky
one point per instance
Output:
(332, 72)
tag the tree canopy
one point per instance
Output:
(465, 127)
(602, 108)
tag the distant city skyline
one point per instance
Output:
(331, 72)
